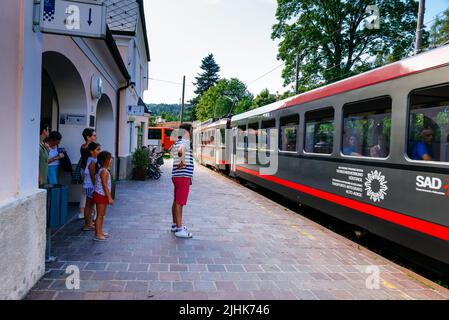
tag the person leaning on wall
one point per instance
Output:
(43, 154)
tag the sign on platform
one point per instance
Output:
(82, 18)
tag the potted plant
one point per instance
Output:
(140, 163)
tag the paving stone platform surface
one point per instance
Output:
(245, 247)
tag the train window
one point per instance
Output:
(253, 130)
(428, 137)
(367, 128)
(241, 137)
(266, 127)
(319, 136)
(154, 134)
(168, 132)
(288, 133)
(223, 136)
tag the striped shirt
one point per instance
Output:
(186, 172)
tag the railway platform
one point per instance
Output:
(245, 247)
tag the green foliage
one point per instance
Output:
(152, 121)
(439, 33)
(205, 80)
(140, 159)
(171, 112)
(264, 98)
(169, 117)
(287, 94)
(223, 98)
(332, 42)
(209, 77)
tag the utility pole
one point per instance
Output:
(183, 95)
(297, 74)
(419, 29)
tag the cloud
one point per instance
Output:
(211, 2)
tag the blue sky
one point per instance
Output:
(237, 32)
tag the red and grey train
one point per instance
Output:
(372, 150)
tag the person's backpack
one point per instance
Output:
(77, 177)
(65, 163)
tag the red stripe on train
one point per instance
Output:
(429, 228)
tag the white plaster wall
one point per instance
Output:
(72, 138)
(10, 12)
(22, 205)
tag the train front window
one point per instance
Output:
(319, 136)
(288, 133)
(428, 136)
(367, 128)
(168, 133)
(154, 134)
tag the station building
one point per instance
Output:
(70, 83)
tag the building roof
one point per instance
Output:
(143, 104)
(122, 18)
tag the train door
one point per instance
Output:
(233, 151)
(217, 147)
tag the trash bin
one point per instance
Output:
(57, 205)
(57, 212)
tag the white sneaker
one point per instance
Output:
(183, 233)
(173, 228)
(81, 215)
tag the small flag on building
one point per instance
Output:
(49, 10)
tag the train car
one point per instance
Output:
(371, 150)
(160, 137)
(210, 144)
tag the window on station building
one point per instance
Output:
(319, 137)
(367, 128)
(428, 136)
(266, 127)
(288, 133)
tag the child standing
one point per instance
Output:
(102, 194)
(89, 184)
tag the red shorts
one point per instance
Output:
(99, 199)
(182, 188)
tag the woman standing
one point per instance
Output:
(54, 154)
(89, 136)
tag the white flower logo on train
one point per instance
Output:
(376, 186)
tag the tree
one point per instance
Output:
(169, 117)
(207, 79)
(287, 94)
(439, 33)
(263, 99)
(333, 42)
(226, 97)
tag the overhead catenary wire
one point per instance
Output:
(267, 73)
(169, 82)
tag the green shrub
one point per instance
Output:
(140, 159)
